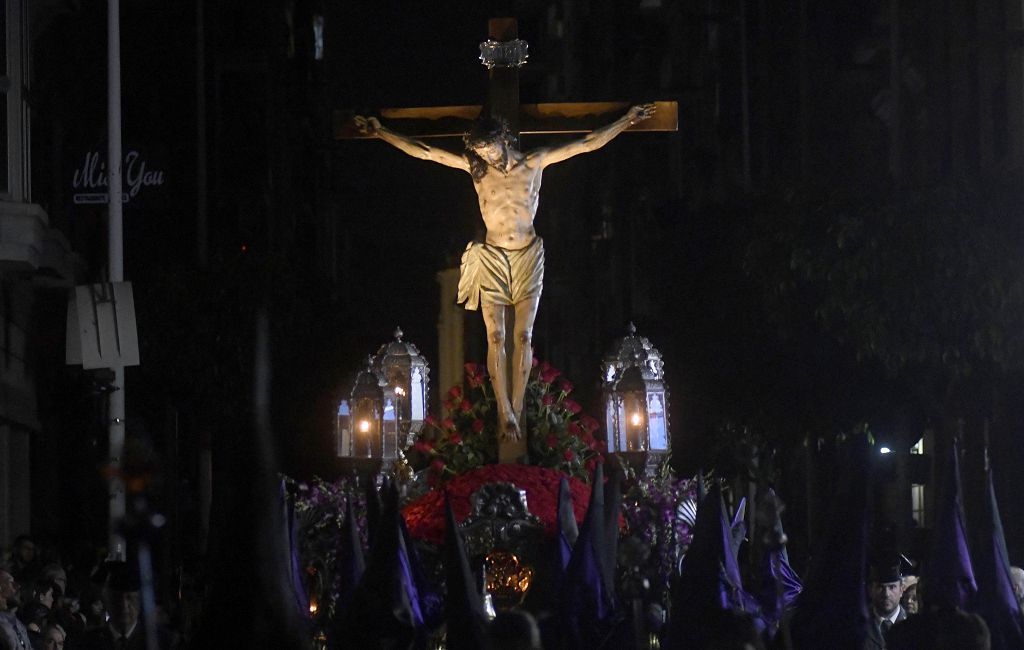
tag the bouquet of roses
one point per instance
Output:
(559, 435)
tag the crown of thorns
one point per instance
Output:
(487, 129)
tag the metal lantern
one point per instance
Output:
(402, 373)
(636, 402)
(366, 417)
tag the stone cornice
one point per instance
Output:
(29, 244)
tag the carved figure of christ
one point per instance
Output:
(505, 272)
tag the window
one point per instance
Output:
(14, 110)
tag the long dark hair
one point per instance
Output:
(486, 129)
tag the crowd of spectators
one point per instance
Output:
(83, 602)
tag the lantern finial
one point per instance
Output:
(398, 334)
(631, 329)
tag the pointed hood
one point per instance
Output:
(738, 528)
(294, 561)
(249, 543)
(350, 565)
(996, 601)
(832, 611)
(586, 601)
(568, 531)
(612, 514)
(373, 510)
(387, 604)
(780, 585)
(949, 576)
(464, 609)
(709, 592)
(710, 575)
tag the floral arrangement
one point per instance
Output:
(320, 512)
(424, 517)
(559, 435)
(659, 514)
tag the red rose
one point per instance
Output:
(430, 420)
(465, 405)
(535, 362)
(569, 455)
(425, 515)
(447, 424)
(574, 428)
(455, 392)
(423, 447)
(565, 386)
(548, 399)
(589, 423)
(474, 375)
(437, 466)
(478, 425)
(549, 374)
(455, 439)
(572, 406)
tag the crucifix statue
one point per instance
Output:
(503, 275)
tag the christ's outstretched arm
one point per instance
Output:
(415, 148)
(593, 140)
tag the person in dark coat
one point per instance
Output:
(885, 589)
(125, 629)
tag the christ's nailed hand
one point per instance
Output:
(641, 112)
(367, 125)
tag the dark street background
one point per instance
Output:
(829, 240)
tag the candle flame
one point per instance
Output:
(399, 391)
(364, 426)
(635, 419)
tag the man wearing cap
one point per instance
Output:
(123, 630)
(885, 588)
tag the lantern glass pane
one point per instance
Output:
(364, 429)
(390, 429)
(609, 423)
(635, 421)
(416, 396)
(656, 422)
(343, 430)
(622, 430)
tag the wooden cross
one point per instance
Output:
(503, 103)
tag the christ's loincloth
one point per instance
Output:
(500, 276)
